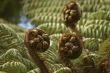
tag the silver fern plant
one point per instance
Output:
(47, 15)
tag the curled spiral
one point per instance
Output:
(70, 46)
(88, 65)
(37, 39)
(104, 66)
(71, 13)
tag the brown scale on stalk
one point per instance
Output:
(70, 47)
(88, 65)
(37, 40)
(72, 14)
(104, 65)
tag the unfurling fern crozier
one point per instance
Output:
(88, 65)
(70, 47)
(37, 40)
(72, 14)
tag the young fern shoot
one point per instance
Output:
(37, 40)
(72, 14)
(88, 65)
(70, 47)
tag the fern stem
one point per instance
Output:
(36, 40)
(74, 29)
(38, 61)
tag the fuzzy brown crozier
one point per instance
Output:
(88, 65)
(37, 40)
(72, 14)
(70, 47)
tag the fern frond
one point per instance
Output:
(94, 5)
(55, 36)
(92, 45)
(16, 28)
(52, 28)
(94, 28)
(14, 55)
(34, 71)
(63, 70)
(51, 11)
(41, 18)
(13, 67)
(100, 15)
(103, 48)
(53, 66)
(56, 67)
(8, 37)
(51, 55)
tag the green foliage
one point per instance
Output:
(63, 70)
(54, 27)
(103, 48)
(47, 15)
(92, 45)
(13, 67)
(94, 28)
(8, 37)
(34, 71)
